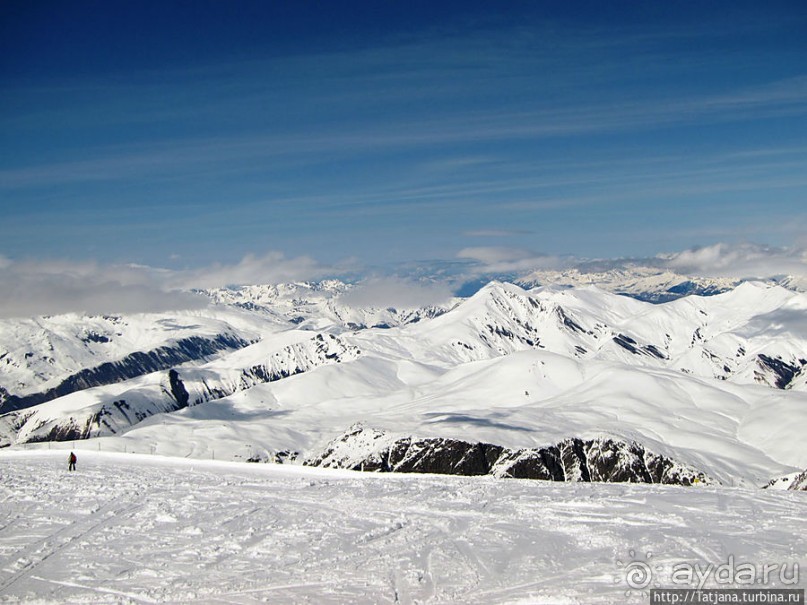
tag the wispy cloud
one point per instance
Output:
(500, 130)
(385, 99)
(497, 232)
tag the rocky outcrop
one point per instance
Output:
(781, 372)
(178, 389)
(796, 482)
(592, 460)
(799, 482)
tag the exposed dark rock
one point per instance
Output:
(785, 372)
(280, 457)
(799, 482)
(178, 388)
(509, 335)
(131, 366)
(796, 483)
(598, 460)
(544, 463)
(95, 337)
(251, 306)
(286, 456)
(70, 430)
(442, 456)
(627, 343)
(175, 393)
(593, 460)
(655, 352)
(569, 322)
(327, 349)
(572, 452)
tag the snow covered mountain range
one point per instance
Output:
(324, 305)
(647, 282)
(590, 383)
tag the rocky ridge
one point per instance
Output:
(602, 459)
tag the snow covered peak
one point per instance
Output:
(320, 306)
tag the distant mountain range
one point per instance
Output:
(713, 384)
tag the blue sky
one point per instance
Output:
(184, 134)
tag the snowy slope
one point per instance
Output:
(528, 399)
(717, 383)
(112, 409)
(755, 333)
(41, 353)
(147, 529)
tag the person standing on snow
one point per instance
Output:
(71, 462)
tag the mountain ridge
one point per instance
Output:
(716, 381)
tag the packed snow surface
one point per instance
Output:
(129, 528)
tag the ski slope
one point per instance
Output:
(128, 528)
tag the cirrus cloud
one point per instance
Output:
(497, 232)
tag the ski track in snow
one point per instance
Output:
(143, 529)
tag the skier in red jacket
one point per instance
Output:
(71, 462)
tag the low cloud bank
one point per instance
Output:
(41, 287)
(738, 261)
(741, 261)
(384, 292)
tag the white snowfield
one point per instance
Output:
(127, 528)
(687, 379)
